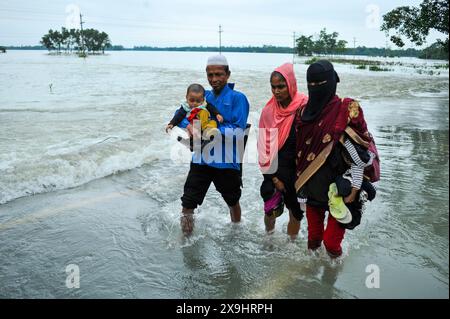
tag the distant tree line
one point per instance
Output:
(435, 51)
(251, 49)
(25, 47)
(324, 43)
(328, 43)
(74, 40)
(428, 53)
(383, 52)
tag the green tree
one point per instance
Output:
(341, 47)
(47, 42)
(434, 51)
(415, 23)
(326, 43)
(75, 36)
(88, 39)
(329, 39)
(72, 39)
(305, 45)
(92, 40)
(320, 44)
(104, 41)
(56, 39)
(65, 38)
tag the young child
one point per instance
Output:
(195, 108)
(348, 194)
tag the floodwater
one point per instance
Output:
(89, 179)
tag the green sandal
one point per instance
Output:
(338, 209)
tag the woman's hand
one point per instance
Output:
(219, 118)
(279, 185)
(350, 198)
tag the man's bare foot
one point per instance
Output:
(187, 223)
(235, 213)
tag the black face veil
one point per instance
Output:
(322, 73)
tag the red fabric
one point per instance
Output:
(374, 170)
(274, 116)
(358, 124)
(312, 137)
(193, 114)
(332, 236)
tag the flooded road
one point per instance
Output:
(87, 179)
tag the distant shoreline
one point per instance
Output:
(359, 51)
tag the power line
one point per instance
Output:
(237, 29)
(157, 26)
(162, 26)
(151, 26)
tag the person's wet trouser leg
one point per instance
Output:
(332, 236)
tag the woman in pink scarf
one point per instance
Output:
(276, 149)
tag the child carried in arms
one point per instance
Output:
(196, 108)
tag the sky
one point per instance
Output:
(164, 23)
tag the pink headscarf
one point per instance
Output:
(274, 116)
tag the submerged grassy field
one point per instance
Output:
(384, 66)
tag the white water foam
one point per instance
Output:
(61, 169)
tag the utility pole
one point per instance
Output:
(386, 50)
(293, 49)
(81, 34)
(220, 39)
